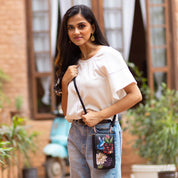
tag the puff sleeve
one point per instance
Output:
(115, 69)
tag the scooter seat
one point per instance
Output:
(59, 139)
(55, 150)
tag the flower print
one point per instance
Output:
(100, 158)
(108, 145)
(108, 148)
(100, 145)
(107, 136)
(108, 162)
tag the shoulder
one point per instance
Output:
(108, 50)
(110, 59)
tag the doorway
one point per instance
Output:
(137, 53)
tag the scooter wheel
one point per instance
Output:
(55, 167)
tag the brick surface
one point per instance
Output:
(13, 57)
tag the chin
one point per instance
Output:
(79, 44)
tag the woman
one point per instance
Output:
(105, 84)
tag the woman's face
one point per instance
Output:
(79, 30)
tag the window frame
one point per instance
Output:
(173, 44)
(32, 73)
(166, 69)
(97, 8)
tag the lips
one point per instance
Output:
(77, 38)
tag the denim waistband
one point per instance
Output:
(83, 123)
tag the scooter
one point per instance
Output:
(56, 151)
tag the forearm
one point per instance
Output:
(122, 105)
(133, 96)
(67, 78)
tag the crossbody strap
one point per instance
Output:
(81, 101)
(83, 106)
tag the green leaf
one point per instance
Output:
(155, 125)
(100, 166)
(111, 139)
(107, 141)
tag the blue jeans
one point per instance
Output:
(81, 155)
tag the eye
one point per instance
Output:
(70, 27)
(81, 26)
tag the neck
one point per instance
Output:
(89, 51)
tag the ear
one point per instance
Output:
(93, 28)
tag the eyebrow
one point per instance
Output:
(77, 24)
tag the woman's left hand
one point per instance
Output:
(91, 118)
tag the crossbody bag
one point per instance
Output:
(103, 143)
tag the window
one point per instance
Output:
(128, 35)
(113, 18)
(40, 61)
(158, 47)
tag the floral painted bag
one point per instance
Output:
(103, 149)
(103, 143)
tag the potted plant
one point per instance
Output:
(26, 144)
(5, 155)
(3, 98)
(18, 105)
(4, 152)
(3, 78)
(23, 142)
(155, 125)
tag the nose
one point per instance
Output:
(76, 31)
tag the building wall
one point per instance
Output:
(13, 56)
(13, 61)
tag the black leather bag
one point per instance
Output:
(103, 143)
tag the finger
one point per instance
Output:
(89, 124)
(89, 110)
(74, 74)
(83, 118)
(83, 113)
(72, 68)
(76, 66)
(74, 71)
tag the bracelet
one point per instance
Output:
(58, 92)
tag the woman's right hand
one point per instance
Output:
(70, 73)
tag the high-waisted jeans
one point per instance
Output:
(81, 155)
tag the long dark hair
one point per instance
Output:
(69, 53)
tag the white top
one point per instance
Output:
(100, 82)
